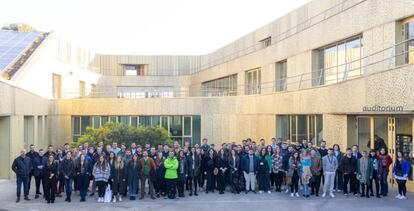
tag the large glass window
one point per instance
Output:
(135, 69)
(155, 120)
(96, 121)
(302, 127)
(299, 127)
(226, 86)
(124, 120)
(363, 133)
(145, 121)
(176, 127)
(339, 61)
(403, 135)
(134, 121)
(283, 127)
(187, 126)
(252, 82)
(281, 74)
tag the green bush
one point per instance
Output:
(120, 133)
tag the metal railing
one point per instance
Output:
(384, 59)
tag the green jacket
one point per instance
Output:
(269, 161)
(171, 166)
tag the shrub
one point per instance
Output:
(120, 133)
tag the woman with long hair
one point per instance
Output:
(376, 168)
(101, 172)
(316, 169)
(306, 173)
(401, 170)
(50, 177)
(385, 161)
(83, 172)
(294, 173)
(159, 185)
(118, 178)
(210, 165)
(222, 166)
(234, 165)
(339, 175)
(182, 172)
(133, 176)
(263, 173)
(277, 168)
(194, 163)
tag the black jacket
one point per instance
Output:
(22, 166)
(48, 170)
(236, 164)
(119, 178)
(133, 172)
(348, 165)
(38, 161)
(87, 167)
(67, 168)
(182, 167)
(197, 165)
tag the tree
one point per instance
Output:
(120, 133)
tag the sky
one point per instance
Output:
(147, 27)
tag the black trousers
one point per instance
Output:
(351, 179)
(193, 183)
(38, 180)
(180, 186)
(201, 179)
(171, 188)
(365, 189)
(101, 188)
(316, 183)
(159, 186)
(294, 187)
(210, 181)
(402, 189)
(375, 180)
(221, 181)
(278, 180)
(50, 189)
(61, 180)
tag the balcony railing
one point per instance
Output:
(382, 60)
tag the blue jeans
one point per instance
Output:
(19, 181)
(68, 188)
(133, 188)
(306, 190)
(384, 182)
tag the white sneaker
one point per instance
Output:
(287, 190)
(99, 199)
(333, 190)
(260, 191)
(120, 198)
(398, 196)
(403, 197)
(292, 194)
(297, 194)
(332, 195)
(323, 195)
(338, 191)
(269, 192)
(114, 200)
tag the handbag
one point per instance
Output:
(108, 194)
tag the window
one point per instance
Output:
(409, 36)
(281, 74)
(266, 42)
(145, 91)
(96, 121)
(135, 69)
(252, 82)
(299, 127)
(82, 89)
(176, 127)
(339, 61)
(56, 86)
(226, 86)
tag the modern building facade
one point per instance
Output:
(338, 70)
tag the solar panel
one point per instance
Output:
(12, 44)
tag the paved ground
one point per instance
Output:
(228, 201)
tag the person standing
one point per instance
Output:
(401, 170)
(277, 168)
(68, 171)
(22, 166)
(385, 162)
(194, 163)
(171, 166)
(182, 172)
(364, 173)
(134, 174)
(209, 166)
(306, 173)
(118, 178)
(32, 154)
(83, 172)
(222, 165)
(316, 169)
(101, 172)
(339, 176)
(329, 166)
(147, 174)
(249, 166)
(38, 163)
(263, 173)
(293, 173)
(348, 167)
(50, 171)
(159, 185)
(376, 168)
(234, 165)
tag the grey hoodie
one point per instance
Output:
(329, 164)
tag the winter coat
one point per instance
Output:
(245, 164)
(133, 172)
(197, 164)
(405, 170)
(67, 168)
(348, 165)
(48, 170)
(86, 168)
(182, 168)
(293, 166)
(119, 179)
(277, 164)
(368, 171)
(171, 166)
(39, 163)
(151, 165)
(236, 164)
(316, 167)
(22, 166)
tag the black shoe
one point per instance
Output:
(153, 198)
(36, 196)
(53, 201)
(92, 194)
(246, 191)
(48, 202)
(362, 195)
(26, 198)
(69, 200)
(18, 200)
(367, 195)
(195, 194)
(317, 194)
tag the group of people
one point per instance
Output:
(164, 171)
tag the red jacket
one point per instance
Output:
(384, 159)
